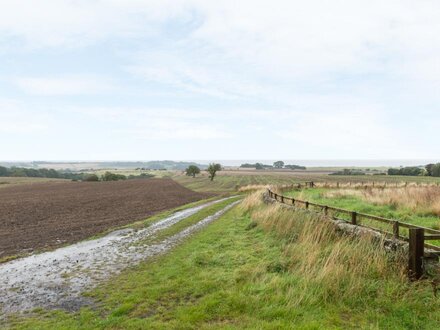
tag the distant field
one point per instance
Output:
(51, 214)
(227, 181)
(8, 181)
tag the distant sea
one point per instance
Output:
(330, 162)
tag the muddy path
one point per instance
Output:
(57, 279)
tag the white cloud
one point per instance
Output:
(70, 85)
(52, 23)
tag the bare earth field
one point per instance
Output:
(50, 214)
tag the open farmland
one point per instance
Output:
(9, 181)
(230, 180)
(45, 215)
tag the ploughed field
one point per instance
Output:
(50, 214)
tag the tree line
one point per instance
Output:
(278, 165)
(75, 176)
(39, 173)
(428, 170)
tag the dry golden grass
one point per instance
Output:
(418, 199)
(252, 201)
(377, 184)
(253, 187)
(331, 265)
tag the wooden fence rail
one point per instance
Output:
(414, 235)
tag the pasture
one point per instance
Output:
(231, 180)
(415, 205)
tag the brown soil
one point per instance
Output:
(46, 215)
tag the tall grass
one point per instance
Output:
(417, 199)
(329, 264)
(253, 187)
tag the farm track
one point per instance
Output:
(57, 279)
(52, 214)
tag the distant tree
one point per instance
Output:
(407, 171)
(411, 171)
(212, 170)
(259, 166)
(436, 170)
(428, 169)
(348, 171)
(393, 171)
(18, 172)
(295, 167)
(192, 170)
(109, 176)
(278, 164)
(91, 177)
(3, 171)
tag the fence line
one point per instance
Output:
(416, 235)
(362, 184)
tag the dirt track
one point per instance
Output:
(37, 216)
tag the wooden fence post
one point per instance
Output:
(282, 199)
(416, 251)
(307, 205)
(396, 229)
(354, 218)
(293, 201)
(325, 210)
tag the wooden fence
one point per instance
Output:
(416, 236)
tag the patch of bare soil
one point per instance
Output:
(50, 214)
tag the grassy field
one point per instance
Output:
(8, 181)
(228, 181)
(418, 215)
(258, 267)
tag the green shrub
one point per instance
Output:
(109, 176)
(91, 177)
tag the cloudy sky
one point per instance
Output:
(142, 80)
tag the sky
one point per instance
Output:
(197, 79)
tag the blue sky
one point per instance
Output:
(142, 80)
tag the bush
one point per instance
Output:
(435, 171)
(141, 176)
(295, 167)
(348, 171)
(407, 171)
(109, 176)
(91, 177)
